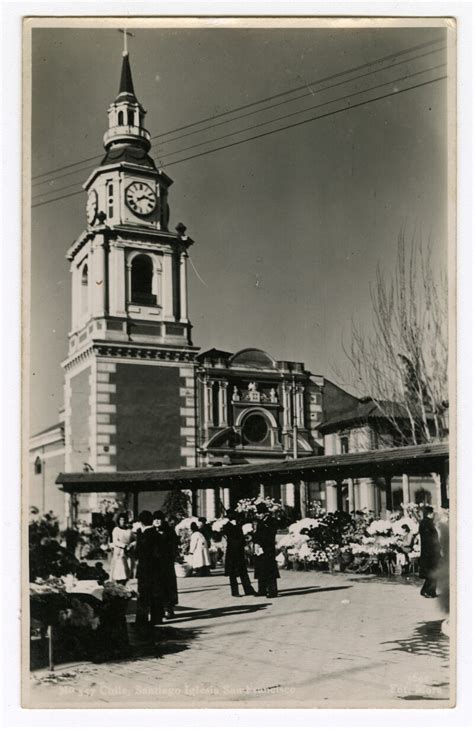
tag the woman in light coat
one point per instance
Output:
(198, 551)
(121, 564)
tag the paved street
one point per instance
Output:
(327, 640)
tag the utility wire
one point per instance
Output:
(304, 96)
(271, 121)
(306, 121)
(303, 111)
(274, 131)
(261, 101)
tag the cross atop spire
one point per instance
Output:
(126, 82)
(125, 33)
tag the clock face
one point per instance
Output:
(91, 207)
(140, 198)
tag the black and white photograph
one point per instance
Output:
(239, 363)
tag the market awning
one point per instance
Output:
(412, 460)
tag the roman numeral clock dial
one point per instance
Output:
(141, 198)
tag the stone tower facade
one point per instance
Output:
(130, 373)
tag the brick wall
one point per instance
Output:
(77, 434)
(145, 416)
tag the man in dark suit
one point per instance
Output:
(149, 604)
(430, 553)
(167, 551)
(235, 566)
(266, 569)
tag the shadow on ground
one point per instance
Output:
(220, 612)
(426, 640)
(163, 641)
(310, 590)
(384, 579)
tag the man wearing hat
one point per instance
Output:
(266, 569)
(167, 548)
(149, 603)
(234, 564)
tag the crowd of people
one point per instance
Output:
(149, 549)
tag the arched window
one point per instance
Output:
(130, 118)
(85, 289)
(38, 465)
(142, 278)
(120, 118)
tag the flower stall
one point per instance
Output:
(360, 543)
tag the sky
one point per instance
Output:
(288, 228)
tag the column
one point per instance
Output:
(135, 502)
(388, 493)
(406, 489)
(290, 494)
(261, 491)
(167, 286)
(208, 402)
(97, 276)
(299, 407)
(444, 486)
(194, 501)
(351, 492)
(75, 308)
(339, 501)
(303, 499)
(117, 276)
(128, 283)
(183, 286)
(225, 497)
(331, 497)
(367, 494)
(286, 408)
(223, 402)
(210, 510)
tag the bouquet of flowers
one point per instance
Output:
(248, 507)
(115, 591)
(48, 597)
(380, 526)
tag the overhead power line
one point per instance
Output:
(270, 121)
(280, 129)
(303, 111)
(312, 92)
(306, 121)
(261, 101)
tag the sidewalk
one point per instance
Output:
(326, 641)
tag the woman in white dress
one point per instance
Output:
(198, 551)
(121, 565)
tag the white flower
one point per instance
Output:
(306, 523)
(218, 524)
(186, 523)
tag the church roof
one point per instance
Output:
(133, 153)
(126, 81)
(364, 410)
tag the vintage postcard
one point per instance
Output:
(239, 409)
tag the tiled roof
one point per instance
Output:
(364, 410)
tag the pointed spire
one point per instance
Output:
(126, 83)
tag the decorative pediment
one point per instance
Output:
(253, 359)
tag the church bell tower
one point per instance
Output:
(129, 375)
